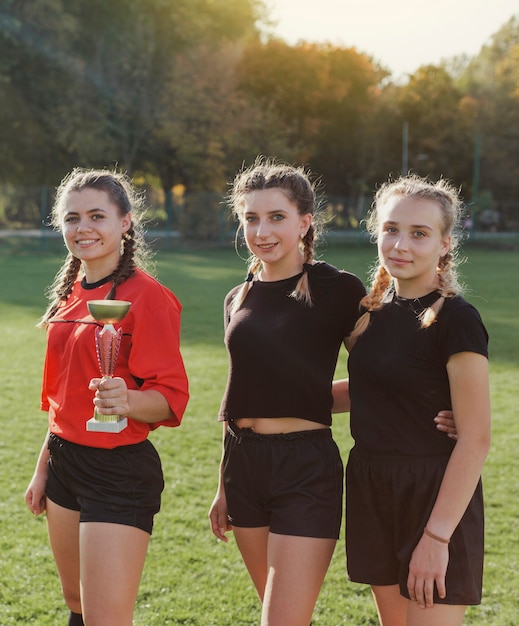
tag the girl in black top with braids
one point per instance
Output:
(414, 506)
(280, 486)
(101, 490)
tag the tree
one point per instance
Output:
(35, 41)
(87, 76)
(491, 81)
(440, 141)
(347, 106)
(323, 96)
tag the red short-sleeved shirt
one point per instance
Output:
(149, 358)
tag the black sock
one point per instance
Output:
(75, 619)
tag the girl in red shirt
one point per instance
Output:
(100, 490)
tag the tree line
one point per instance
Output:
(180, 94)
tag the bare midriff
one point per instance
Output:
(273, 426)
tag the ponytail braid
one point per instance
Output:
(449, 287)
(61, 288)
(373, 301)
(126, 267)
(252, 269)
(302, 291)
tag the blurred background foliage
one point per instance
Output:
(181, 94)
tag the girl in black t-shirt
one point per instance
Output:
(281, 475)
(414, 513)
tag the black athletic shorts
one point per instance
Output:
(122, 485)
(291, 482)
(389, 499)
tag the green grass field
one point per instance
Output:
(189, 577)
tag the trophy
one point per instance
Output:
(108, 341)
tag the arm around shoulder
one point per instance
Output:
(341, 396)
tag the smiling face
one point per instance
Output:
(411, 243)
(92, 228)
(273, 228)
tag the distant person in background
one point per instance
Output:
(101, 490)
(414, 512)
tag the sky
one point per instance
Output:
(401, 35)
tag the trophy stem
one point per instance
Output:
(107, 342)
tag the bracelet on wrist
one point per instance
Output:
(433, 536)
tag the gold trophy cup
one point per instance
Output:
(108, 340)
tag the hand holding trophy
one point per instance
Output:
(108, 341)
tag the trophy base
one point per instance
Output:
(97, 426)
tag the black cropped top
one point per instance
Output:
(283, 352)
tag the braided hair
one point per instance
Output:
(447, 198)
(295, 183)
(134, 249)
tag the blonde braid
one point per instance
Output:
(449, 287)
(373, 301)
(381, 282)
(449, 282)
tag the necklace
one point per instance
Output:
(417, 305)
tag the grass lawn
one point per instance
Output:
(190, 578)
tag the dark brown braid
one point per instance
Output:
(302, 291)
(252, 269)
(308, 244)
(62, 286)
(126, 265)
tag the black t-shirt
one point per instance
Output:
(398, 375)
(283, 352)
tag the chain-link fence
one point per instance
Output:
(205, 216)
(194, 215)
